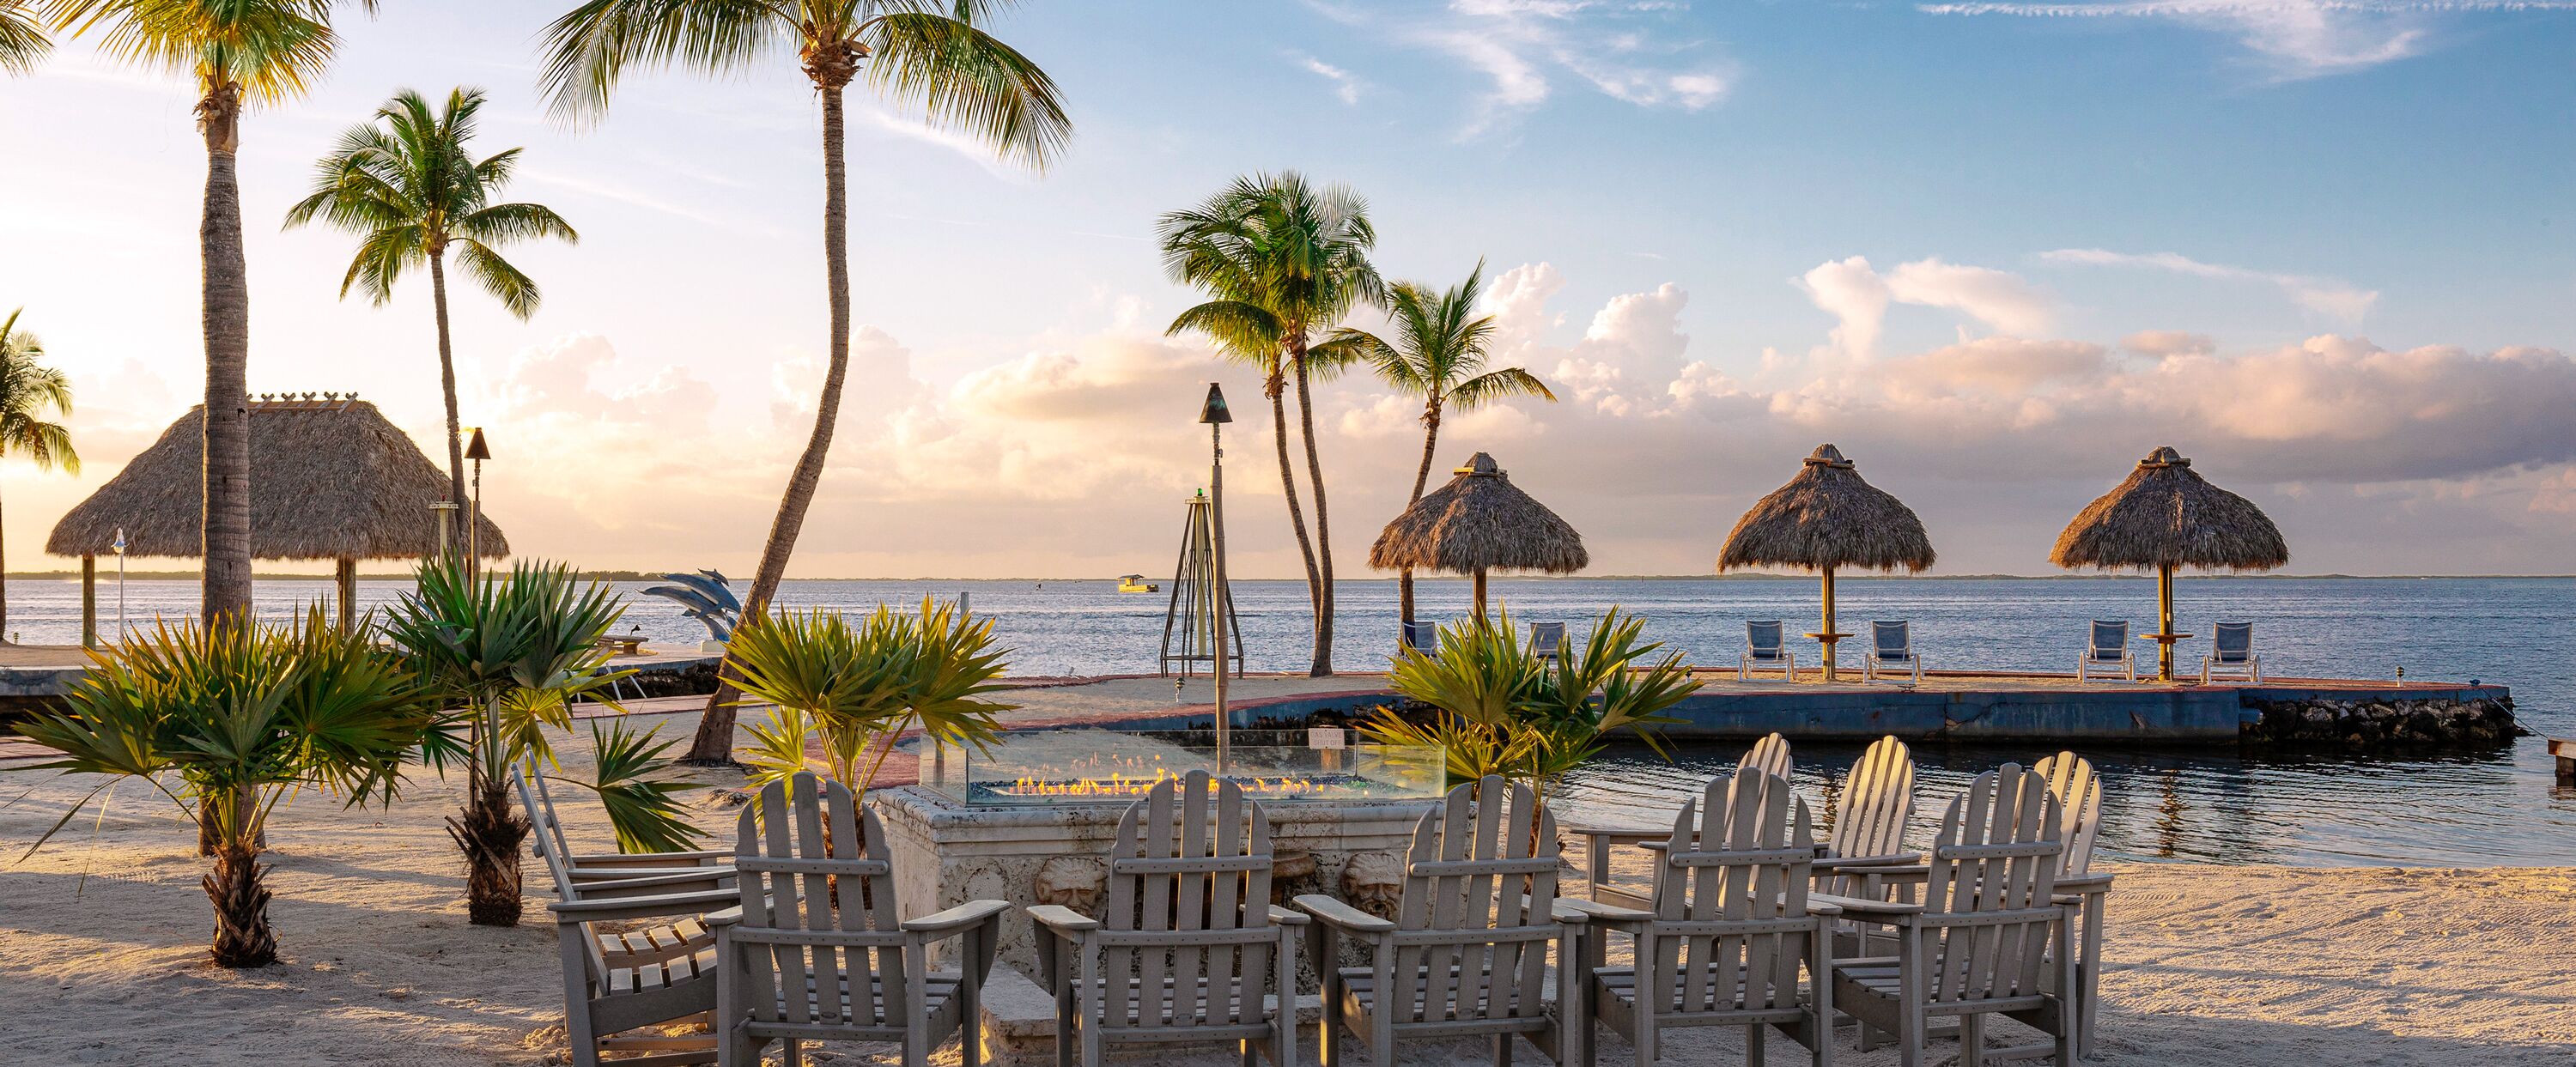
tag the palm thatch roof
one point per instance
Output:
(1828, 517)
(1479, 521)
(330, 479)
(2167, 515)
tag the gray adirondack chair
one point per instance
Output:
(815, 949)
(1868, 837)
(1467, 953)
(549, 842)
(1769, 755)
(2079, 793)
(1188, 946)
(1988, 936)
(1731, 933)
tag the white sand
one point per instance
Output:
(102, 955)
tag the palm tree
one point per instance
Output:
(1438, 355)
(409, 188)
(1281, 261)
(241, 53)
(27, 389)
(934, 56)
(22, 39)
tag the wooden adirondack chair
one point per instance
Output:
(1988, 936)
(1188, 946)
(2072, 781)
(1467, 953)
(1769, 755)
(550, 844)
(1731, 931)
(815, 948)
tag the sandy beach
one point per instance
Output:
(102, 954)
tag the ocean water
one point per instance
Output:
(2172, 805)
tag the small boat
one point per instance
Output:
(1135, 583)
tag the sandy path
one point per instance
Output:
(102, 948)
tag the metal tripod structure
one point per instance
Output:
(1189, 630)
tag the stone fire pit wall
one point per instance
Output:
(947, 852)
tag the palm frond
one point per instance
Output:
(271, 50)
(967, 80)
(22, 41)
(516, 291)
(589, 49)
(643, 807)
(1496, 385)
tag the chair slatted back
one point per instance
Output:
(1547, 638)
(1477, 915)
(1769, 755)
(1997, 859)
(2079, 791)
(2110, 640)
(1763, 639)
(548, 838)
(2232, 642)
(1894, 640)
(801, 869)
(1422, 637)
(1188, 909)
(1877, 801)
(1731, 898)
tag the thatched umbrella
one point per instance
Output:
(2165, 516)
(329, 479)
(1478, 522)
(1825, 519)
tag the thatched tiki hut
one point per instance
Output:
(2165, 516)
(1824, 520)
(329, 479)
(1479, 522)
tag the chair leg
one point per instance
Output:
(1910, 995)
(1753, 1047)
(791, 1053)
(2088, 977)
(1972, 1040)
(1382, 1034)
(1503, 1050)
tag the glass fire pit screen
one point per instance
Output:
(1113, 766)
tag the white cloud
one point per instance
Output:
(2294, 39)
(2326, 297)
(1858, 296)
(1624, 50)
(1346, 85)
(1851, 291)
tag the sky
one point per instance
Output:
(1996, 252)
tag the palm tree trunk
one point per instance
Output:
(1278, 391)
(1323, 662)
(225, 593)
(714, 742)
(238, 888)
(1421, 477)
(447, 389)
(490, 833)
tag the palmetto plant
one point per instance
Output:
(1438, 354)
(929, 55)
(409, 186)
(856, 689)
(29, 390)
(1503, 709)
(22, 38)
(506, 655)
(241, 53)
(228, 722)
(1281, 262)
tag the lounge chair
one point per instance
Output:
(2231, 653)
(1769, 755)
(1730, 930)
(815, 949)
(1547, 639)
(1189, 888)
(1989, 936)
(1766, 646)
(1442, 970)
(2109, 652)
(1422, 637)
(1891, 653)
(548, 841)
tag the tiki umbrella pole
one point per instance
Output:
(1480, 594)
(1830, 635)
(2164, 622)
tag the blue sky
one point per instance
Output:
(1996, 251)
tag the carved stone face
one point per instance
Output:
(1374, 882)
(1072, 881)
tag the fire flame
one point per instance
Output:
(1127, 785)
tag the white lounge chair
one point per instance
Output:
(1766, 646)
(1547, 639)
(2231, 654)
(1891, 653)
(1421, 637)
(1467, 952)
(1769, 755)
(2108, 652)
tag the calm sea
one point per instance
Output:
(2184, 804)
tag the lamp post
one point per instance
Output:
(1215, 416)
(477, 451)
(119, 546)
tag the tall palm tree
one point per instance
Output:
(407, 184)
(1281, 261)
(22, 38)
(241, 53)
(28, 389)
(918, 53)
(1438, 355)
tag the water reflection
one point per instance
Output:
(2184, 805)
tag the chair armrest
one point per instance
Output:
(2091, 883)
(586, 875)
(1063, 920)
(641, 859)
(1337, 914)
(727, 917)
(1858, 863)
(581, 911)
(654, 884)
(1289, 916)
(956, 918)
(1616, 833)
(1857, 907)
(1595, 911)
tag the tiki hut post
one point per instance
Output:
(89, 600)
(1824, 519)
(344, 574)
(1477, 523)
(2164, 517)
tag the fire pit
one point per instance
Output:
(1056, 767)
